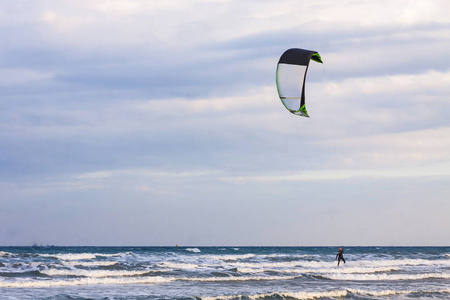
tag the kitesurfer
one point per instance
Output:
(340, 255)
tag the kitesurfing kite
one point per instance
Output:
(291, 75)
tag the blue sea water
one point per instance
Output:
(224, 273)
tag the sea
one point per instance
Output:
(232, 272)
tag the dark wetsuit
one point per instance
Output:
(339, 256)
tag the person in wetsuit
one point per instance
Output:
(340, 255)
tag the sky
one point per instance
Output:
(156, 123)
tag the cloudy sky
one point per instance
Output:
(158, 123)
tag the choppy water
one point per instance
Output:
(224, 273)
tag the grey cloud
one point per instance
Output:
(98, 108)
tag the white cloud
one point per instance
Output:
(120, 173)
(423, 147)
(414, 86)
(48, 17)
(406, 155)
(435, 170)
(415, 11)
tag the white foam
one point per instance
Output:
(378, 293)
(267, 265)
(182, 266)
(404, 262)
(84, 281)
(114, 254)
(351, 270)
(6, 254)
(384, 293)
(128, 280)
(72, 256)
(285, 255)
(83, 256)
(240, 278)
(92, 273)
(196, 250)
(250, 270)
(309, 295)
(347, 270)
(294, 295)
(231, 257)
(391, 264)
(325, 294)
(90, 263)
(221, 297)
(384, 276)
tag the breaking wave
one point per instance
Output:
(84, 281)
(195, 250)
(385, 277)
(327, 294)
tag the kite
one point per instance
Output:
(291, 76)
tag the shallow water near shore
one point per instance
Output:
(224, 273)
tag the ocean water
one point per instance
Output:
(224, 273)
